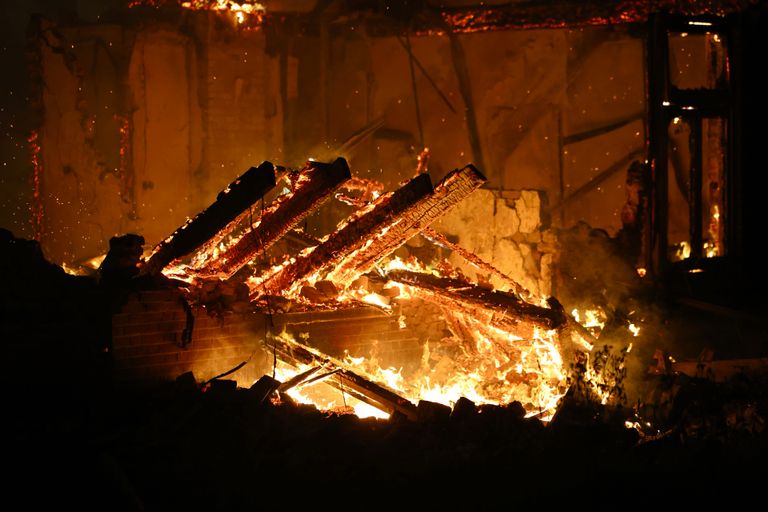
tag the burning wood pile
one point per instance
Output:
(504, 345)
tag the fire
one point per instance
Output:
(324, 397)
(245, 12)
(682, 251)
(495, 347)
(492, 366)
(375, 299)
(363, 410)
(487, 365)
(592, 319)
(83, 268)
(492, 375)
(241, 12)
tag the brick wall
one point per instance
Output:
(148, 337)
(148, 341)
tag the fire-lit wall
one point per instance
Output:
(142, 127)
(514, 238)
(80, 184)
(145, 124)
(557, 112)
(155, 337)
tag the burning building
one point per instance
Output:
(408, 210)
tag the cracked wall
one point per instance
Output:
(506, 229)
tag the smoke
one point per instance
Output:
(597, 279)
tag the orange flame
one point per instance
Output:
(488, 365)
(242, 12)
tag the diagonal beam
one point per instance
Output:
(240, 195)
(452, 189)
(313, 186)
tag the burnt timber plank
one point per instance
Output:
(358, 229)
(457, 185)
(345, 380)
(314, 185)
(512, 308)
(230, 203)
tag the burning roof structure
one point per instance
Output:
(504, 346)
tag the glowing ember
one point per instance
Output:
(485, 364)
(423, 161)
(37, 171)
(376, 300)
(245, 12)
(528, 15)
(253, 12)
(126, 177)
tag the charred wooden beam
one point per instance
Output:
(368, 190)
(359, 229)
(457, 185)
(314, 185)
(263, 388)
(507, 309)
(230, 203)
(320, 377)
(457, 326)
(298, 379)
(376, 395)
(347, 381)
(461, 70)
(461, 315)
